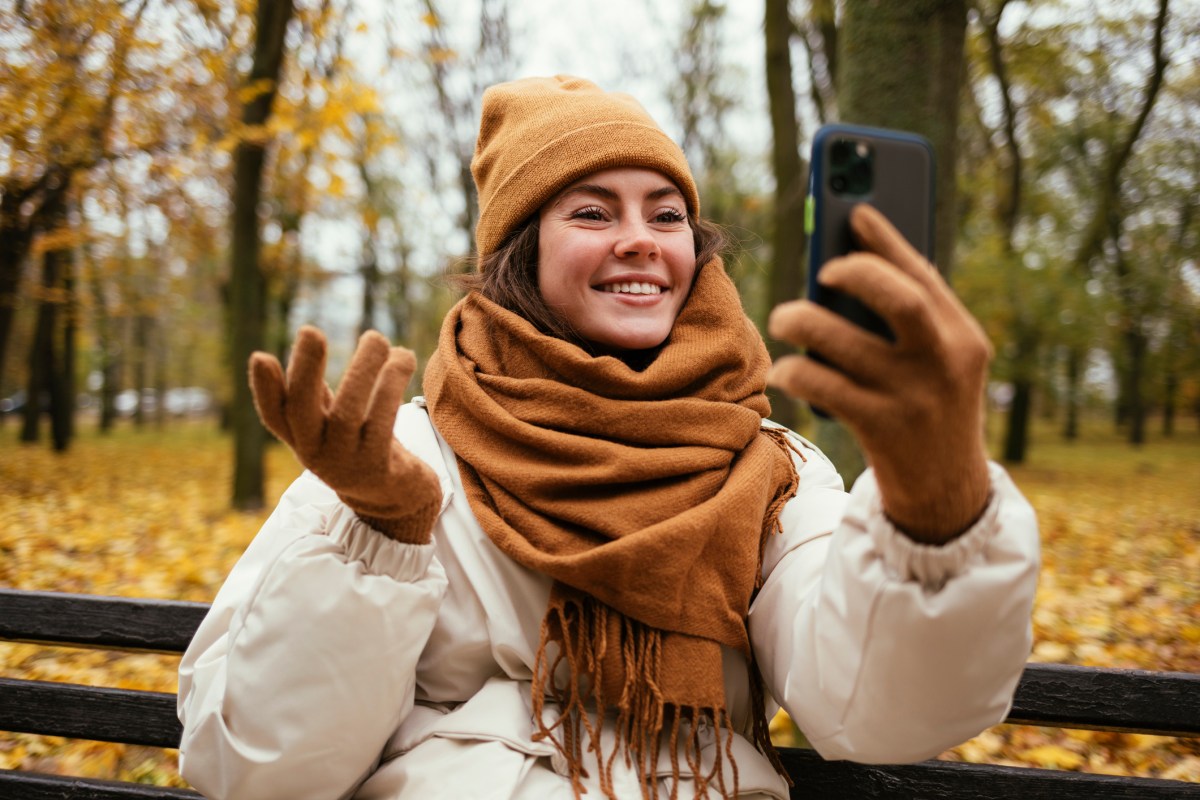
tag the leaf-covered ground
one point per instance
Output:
(145, 514)
(1120, 587)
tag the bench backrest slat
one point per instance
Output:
(89, 712)
(117, 623)
(1131, 700)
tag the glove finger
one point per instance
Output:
(306, 388)
(894, 295)
(350, 403)
(389, 392)
(267, 387)
(857, 352)
(826, 388)
(877, 234)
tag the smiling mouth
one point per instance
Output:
(636, 287)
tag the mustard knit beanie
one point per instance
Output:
(538, 135)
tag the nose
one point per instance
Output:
(635, 238)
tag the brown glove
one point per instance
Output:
(916, 404)
(346, 439)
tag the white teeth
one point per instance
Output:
(635, 287)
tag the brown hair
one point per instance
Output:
(508, 275)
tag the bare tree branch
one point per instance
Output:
(1107, 191)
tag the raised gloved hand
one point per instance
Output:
(346, 439)
(916, 404)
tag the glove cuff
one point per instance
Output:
(414, 528)
(411, 525)
(939, 515)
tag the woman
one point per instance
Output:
(584, 561)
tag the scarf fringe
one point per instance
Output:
(580, 629)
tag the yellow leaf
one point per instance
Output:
(1053, 756)
(780, 722)
(13, 758)
(1052, 652)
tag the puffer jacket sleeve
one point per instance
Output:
(883, 650)
(306, 663)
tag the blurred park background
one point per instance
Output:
(184, 181)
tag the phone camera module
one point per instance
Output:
(851, 165)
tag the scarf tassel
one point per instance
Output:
(580, 628)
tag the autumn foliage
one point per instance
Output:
(145, 514)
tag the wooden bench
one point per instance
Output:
(1053, 695)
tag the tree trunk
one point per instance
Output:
(284, 299)
(247, 288)
(141, 365)
(1016, 434)
(1016, 438)
(48, 384)
(42, 362)
(106, 356)
(370, 286)
(158, 363)
(787, 262)
(62, 420)
(1008, 211)
(15, 236)
(1135, 341)
(1074, 373)
(901, 66)
(400, 305)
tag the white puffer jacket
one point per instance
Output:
(338, 663)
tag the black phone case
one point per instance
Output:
(903, 189)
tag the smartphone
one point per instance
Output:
(851, 164)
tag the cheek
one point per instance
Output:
(550, 270)
(682, 258)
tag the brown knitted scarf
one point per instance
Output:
(646, 495)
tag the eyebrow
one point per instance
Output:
(608, 194)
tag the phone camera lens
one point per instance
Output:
(838, 183)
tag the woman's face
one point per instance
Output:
(616, 257)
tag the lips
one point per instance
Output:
(631, 287)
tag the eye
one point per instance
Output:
(669, 216)
(594, 213)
